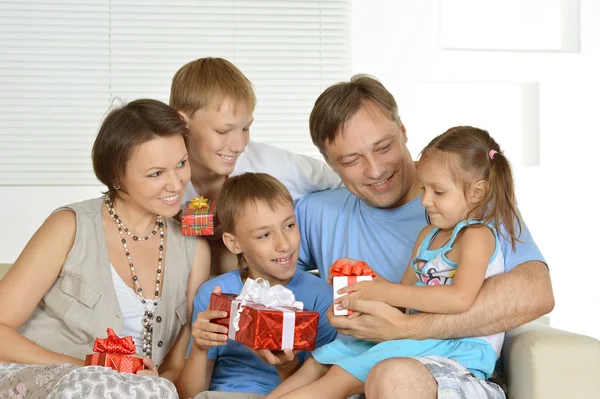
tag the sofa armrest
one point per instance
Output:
(544, 362)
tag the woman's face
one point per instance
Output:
(156, 175)
(218, 135)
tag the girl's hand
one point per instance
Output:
(341, 260)
(207, 334)
(150, 368)
(366, 290)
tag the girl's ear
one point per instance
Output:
(478, 191)
(231, 243)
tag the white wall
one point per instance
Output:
(400, 42)
(457, 62)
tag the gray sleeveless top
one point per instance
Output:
(82, 302)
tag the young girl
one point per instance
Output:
(468, 192)
(259, 226)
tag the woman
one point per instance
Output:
(118, 261)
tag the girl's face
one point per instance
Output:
(445, 201)
(156, 175)
(218, 135)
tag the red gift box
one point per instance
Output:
(261, 327)
(346, 273)
(114, 352)
(197, 218)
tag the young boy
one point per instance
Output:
(217, 101)
(259, 226)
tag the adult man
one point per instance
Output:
(377, 218)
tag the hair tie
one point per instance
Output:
(492, 153)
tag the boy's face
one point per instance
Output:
(269, 240)
(218, 135)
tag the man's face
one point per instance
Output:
(371, 157)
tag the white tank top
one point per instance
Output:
(132, 309)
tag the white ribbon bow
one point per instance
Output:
(260, 291)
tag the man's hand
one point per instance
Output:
(372, 321)
(285, 362)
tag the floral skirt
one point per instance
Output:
(58, 381)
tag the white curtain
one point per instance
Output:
(62, 63)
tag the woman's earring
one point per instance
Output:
(116, 186)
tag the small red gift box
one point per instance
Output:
(197, 218)
(346, 273)
(114, 352)
(261, 327)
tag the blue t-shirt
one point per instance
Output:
(237, 369)
(337, 224)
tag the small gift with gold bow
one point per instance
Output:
(345, 273)
(197, 218)
(265, 317)
(115, 352)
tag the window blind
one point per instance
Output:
(63, 62)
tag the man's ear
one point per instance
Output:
(231, 243)
(478, 191)
(404, 135)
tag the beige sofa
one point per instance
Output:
(542, 362)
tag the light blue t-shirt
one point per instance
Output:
(237, 369)
(337, 224)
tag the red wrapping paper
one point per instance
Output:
(350, 273)
(114, 352)
(262, 327)
(198, 221)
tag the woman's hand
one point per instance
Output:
(150, 369)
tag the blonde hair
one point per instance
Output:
(340, 102)
(208, 82)
(475, 155)
(239, 192)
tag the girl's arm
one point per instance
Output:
(175, 360)
(474, 251)
(25, 284)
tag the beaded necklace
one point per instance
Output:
(148, 320)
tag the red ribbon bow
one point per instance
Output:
(114, 344)
(343, 267)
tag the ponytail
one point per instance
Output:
(501, 199)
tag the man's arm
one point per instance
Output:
(505, 301)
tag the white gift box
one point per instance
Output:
(340, 282)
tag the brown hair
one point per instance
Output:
(238, 192)
(340, 102)
(126, 127)
(209, 81)
(470, 161)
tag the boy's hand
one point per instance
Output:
(285, 362)
(207, 334)
(350, 261)
(375, 290)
